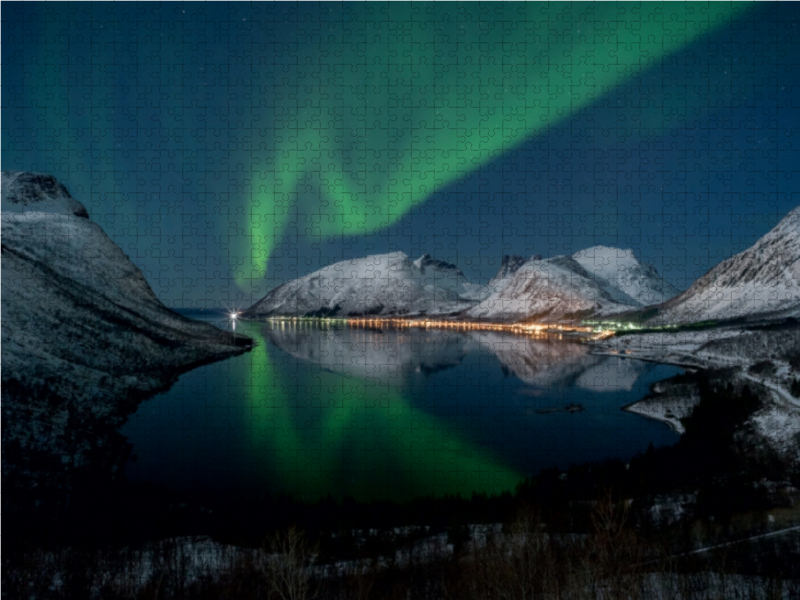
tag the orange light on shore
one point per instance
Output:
(532, 329)
(527, 329)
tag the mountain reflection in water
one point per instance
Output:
(321, 410)
(390, 356)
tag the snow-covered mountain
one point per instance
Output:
(621, 270)
(83, 334)
(763, 279)
(553, 289)
(383, 284)
(599, 280)
(508, 266)
(23, 192)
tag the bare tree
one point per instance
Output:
(614, 554)
(289, 567)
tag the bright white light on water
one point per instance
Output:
(233, 317)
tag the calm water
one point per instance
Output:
(317, 410)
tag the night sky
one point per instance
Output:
(228, 147)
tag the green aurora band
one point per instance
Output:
(394, 101)
(355, 438)
(342, 115)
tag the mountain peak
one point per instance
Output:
(509, 265)
(420, 262)
(426, 260)
(512, 259)
(792, 219)
(605, 253)
(620, 269)
(25, 192)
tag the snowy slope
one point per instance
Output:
(553, 289)
(765, 278)
(731, 351)
(82, 332)
(620, 270)
(383, 284)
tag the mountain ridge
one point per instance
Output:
(379, 284)
(394, 285)
(596, 282)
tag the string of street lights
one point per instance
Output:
(529, 329)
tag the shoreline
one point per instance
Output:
(577, 333)
(673, 423)
(580, 333)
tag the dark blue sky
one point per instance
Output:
(177, 124)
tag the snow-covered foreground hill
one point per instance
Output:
(765, 357)
(764, 279)
(83, 334)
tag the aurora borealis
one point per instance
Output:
(229, 147)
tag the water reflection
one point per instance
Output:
(384, 357)
(554, 363)
(317, 410)
(389, 356)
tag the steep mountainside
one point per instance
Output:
(441, 274)
(508, 266)
(383, 284)
(763, 279)
(83, 334)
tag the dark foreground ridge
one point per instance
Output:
(84, 340)
(707, 518)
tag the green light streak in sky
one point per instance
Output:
(355, 438)
(383, 104)
(342, 116)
